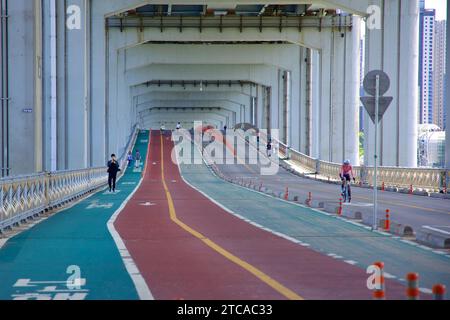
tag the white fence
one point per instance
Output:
(431, 180)
(25, 196)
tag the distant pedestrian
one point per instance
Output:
(137, 158)
(162, 129)
(130, 158)
(269, 148)
(178, 126)
(113, 168)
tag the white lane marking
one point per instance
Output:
(410, 242)
(108, 193)
(147, 204)
(389, 276)
(142, 289)
(425, 290)
(436, 229)
(96, 204)
(352, 262)
(2, 242)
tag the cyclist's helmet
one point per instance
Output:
(347, 162)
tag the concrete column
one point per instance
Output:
(38, 71)
(49, 86)
(351, 93)
(408, 78)
(315, 105)
(61, 114)
(22, 65)
(394, 49)
(308, 102)
(260, 113)
(325, 101)
(77, 82)
(301, 116)
(295, 104)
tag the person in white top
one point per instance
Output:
(178, 126)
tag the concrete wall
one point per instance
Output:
(102, 74)
(25, 85)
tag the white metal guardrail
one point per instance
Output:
(431, 180)
(25, 196)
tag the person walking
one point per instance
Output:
(130, 158)
(113, 168)
(137, 158)
(269, 148)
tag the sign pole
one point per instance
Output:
(375, 174)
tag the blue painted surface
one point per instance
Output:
(76, 236)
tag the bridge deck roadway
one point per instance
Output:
(412, 210)
(195, 236)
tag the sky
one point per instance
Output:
(440, 6)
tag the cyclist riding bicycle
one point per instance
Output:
(346, 174)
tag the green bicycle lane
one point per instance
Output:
(74, 243)
(327, 234)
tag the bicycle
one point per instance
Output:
(346, 191)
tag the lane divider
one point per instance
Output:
(289, 294)
(140, 284)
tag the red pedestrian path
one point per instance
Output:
(177, 263)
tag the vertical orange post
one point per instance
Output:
(382, 187)
(412, 292)
(286, 194)
(387, 222)
(340, 207)
(411, 189)
(439, 292)
(379, 293)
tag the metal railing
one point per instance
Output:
(25, 196)
(431, 180)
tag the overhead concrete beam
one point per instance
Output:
(280, 55)
(254, 73)
(193, 96)
(143, 89)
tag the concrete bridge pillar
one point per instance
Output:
(394, 48)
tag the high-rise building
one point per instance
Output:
(426, 47)
(439, 71)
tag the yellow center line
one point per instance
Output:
(245, 265)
